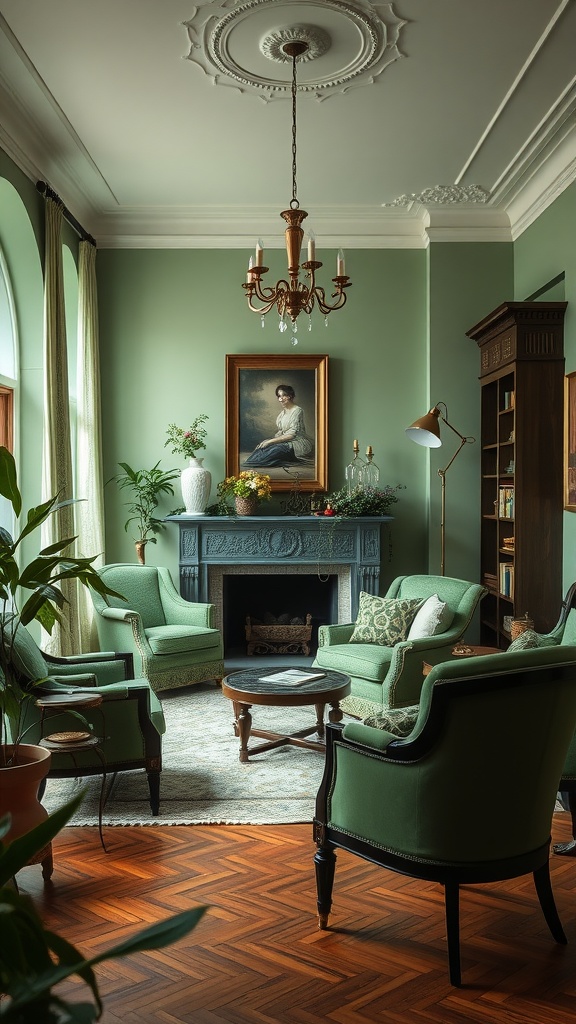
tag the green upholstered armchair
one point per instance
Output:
(436, 804)
(173, 641)
(129, 721)
(392, 676)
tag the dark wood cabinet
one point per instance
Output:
(522, 397)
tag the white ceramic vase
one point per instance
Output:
(195, 482)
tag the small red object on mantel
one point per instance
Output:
(328, 511)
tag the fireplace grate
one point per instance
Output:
(278, 638)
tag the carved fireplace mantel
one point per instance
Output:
(212, 545)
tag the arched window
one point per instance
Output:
(8, 375)
(8, 357)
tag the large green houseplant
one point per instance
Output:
(147, 487)
(29, 592)
(33, 960)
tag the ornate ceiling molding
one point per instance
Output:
(230, 52)
(446, 195)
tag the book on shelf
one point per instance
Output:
(507, 579)
(506, 502)
(293, 677)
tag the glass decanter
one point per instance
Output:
(370, 475)
(353, 472)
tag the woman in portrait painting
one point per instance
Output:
(290, 443)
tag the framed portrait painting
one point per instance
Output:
(570, 442)
(277, 419)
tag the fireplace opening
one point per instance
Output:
(294, 602)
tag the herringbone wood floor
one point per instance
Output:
(257, 956)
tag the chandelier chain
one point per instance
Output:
(292, 296)
(294, 202)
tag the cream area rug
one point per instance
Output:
(202, 780)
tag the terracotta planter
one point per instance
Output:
(246, 506)
(19, 785)
(140, 546)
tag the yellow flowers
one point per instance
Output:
(247, 484)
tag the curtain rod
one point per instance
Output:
(49, 193)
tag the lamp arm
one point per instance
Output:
(463, 440)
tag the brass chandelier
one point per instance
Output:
(292, 297)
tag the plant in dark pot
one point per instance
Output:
(28, 592)
(147, 487)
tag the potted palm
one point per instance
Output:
(33, 960)
(28, 592)
(147, 487)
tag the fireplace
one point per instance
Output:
(278, 612)
(318, 566)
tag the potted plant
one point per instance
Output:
(248, 489)
(147, 486)
(195, 479)
(362, 501)
(28, 592)
(33, 959)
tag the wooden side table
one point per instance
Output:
(464, 651)
(72, 742)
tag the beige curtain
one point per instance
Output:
(57, 462)
(89, 474)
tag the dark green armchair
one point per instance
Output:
(130, 720)
(391, 676)
(437, 803)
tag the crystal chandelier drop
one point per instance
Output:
(294, 296)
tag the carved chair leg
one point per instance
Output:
(546, 897)
(452, 898)
(325, 861)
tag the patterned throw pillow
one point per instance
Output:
(528, 639)
(398, 721)
(383, 620)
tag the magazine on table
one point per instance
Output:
(293, 677)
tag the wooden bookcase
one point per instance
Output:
(522, 399)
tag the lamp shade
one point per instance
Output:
(426, 430)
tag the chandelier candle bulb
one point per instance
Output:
(340, 271)
(259, 252)
(249, 271)
(311, 247)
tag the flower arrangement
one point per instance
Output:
(187, 442)
(363, 501)
(248, 484)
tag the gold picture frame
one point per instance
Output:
(252, 408)
(570, 442)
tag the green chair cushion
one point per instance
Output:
(383, 620)
(182, 639)
(367, 661)
(28, 658)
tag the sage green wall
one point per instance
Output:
(167, 321)
(465, 282)
(168, 318)
(545, 253)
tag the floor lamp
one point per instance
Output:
(426, 431)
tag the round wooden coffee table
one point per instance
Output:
(249, 687)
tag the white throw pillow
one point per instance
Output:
(432, 618)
